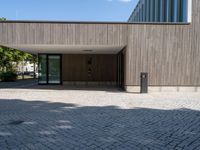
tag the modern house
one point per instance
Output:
(26, 67)
(161, 38)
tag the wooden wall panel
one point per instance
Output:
(75, 67)
(63, 33)
(91, 31)
(169, 53)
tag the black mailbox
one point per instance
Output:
(144, 82)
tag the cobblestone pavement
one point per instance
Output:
(60, 118)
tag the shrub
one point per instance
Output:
(9, 76)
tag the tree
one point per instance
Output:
(33, 60)
(6, 57)
(2, 19)
(9, 56)
(19, 56)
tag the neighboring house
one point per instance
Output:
(26, 67)
(164, 42)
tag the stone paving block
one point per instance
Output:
(62, 120)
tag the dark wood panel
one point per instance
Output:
(76, 67)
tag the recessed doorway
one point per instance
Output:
(49, 70)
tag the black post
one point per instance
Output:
(144, 82)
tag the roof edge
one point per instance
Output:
(93, 22)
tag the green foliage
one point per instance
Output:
(32, 58)
(8, 56)
(2, 19)
(9, 76)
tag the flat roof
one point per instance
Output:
(92, 22)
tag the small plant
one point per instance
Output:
(9, 76)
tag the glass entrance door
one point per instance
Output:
(50, 69)
(54, 69)
(42, 69)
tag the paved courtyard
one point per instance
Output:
(56, 118)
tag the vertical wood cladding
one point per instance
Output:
(63, 33)
(169, 53)
(76, 67)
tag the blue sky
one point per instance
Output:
(68, 10)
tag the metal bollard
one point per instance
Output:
(144, 82)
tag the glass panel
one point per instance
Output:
(42, 77)
(175, 11)
(146, 10)
(157, 10)
(149, 11)
(184, 10)
(153, 10)
(169, 10)
(54, 69)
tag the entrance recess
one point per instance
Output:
(90, 69)
(50, 69)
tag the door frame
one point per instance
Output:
(47, 69)
(120, 69)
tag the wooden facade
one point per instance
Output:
(170, 53)
(62, 33)
(89, 67)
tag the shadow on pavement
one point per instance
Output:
(45, 125)
(33, 84)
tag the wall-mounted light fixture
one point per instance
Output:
(88, 50)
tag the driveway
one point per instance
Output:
(44, 117)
